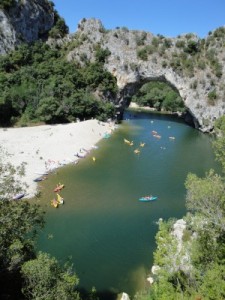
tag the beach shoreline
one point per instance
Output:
(45, 148)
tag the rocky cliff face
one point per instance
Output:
(193, 66)
(24, 21)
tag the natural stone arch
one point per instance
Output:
(130, 89)
(130, 69)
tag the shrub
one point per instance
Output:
(6, 4)
(212, 96)
(142, 54)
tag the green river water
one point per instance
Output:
(102, 226)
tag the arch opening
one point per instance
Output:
(158, 94)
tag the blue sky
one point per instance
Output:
(167, 17)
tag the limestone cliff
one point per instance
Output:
(194, 66)
(24, 21)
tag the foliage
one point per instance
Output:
(6, 4)
(19, 224)
(160, 96)
(213, 286)
(206, 196)
(219, 143)
(38, 84)
(10, 178)
(220, 125)
(101, 54)
(46, 279)
(142, 54)
(205, 224)
(163, 255)
(19, 220)
(60, 29)
(192, 47)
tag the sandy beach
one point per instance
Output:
(47, 147)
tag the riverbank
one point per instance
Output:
(135, 106)
(47, 147)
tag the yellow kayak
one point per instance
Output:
(54, 203)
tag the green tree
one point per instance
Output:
(160, 96)
(19, 220)
(19, 224)
(206, 196)
(45, 279)
(213, 286)
(219, 142)
(6, 4)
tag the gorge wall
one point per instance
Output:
(194, 66)
(24, 21)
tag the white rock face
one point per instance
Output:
(178, 230)
(155, 270)
(150, 280)
(125, 297)
(27, 21)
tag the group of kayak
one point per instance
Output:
(58, 199)
(131, 143)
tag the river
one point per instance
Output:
(108, 234)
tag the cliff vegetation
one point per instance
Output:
(189, 259)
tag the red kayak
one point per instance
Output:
(59, 187)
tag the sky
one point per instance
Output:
(167, 17)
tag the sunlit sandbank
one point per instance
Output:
(47, 147)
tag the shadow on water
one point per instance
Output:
(154, 116)
(103, 295)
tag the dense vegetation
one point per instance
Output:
(38, 85)
(6, 4)
(24, 272)
(193, 270)
(187, 54)
(196, 268)
(160, 96)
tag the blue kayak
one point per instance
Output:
(147, 198)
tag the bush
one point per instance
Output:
(142, 54)
(6, 4)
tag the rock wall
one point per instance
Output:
(30, 20)
(26, 21)
(131, 71)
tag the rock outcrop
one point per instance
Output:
(24, 21)
(193, 66)
(138, 57)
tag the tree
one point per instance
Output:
(6, 4)
(213, 286)
(45, 279)
(219, 143)
(19, 220)
(19, 224)
(206, 196)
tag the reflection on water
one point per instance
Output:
(109, 234)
